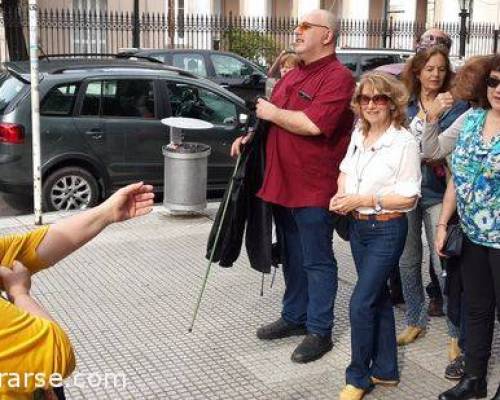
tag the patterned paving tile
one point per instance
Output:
(127, 299)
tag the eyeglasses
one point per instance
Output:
(304, 26)
(378, 99)
(492, 82)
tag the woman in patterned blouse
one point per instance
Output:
(475, 192)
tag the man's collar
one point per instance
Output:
(318, 63)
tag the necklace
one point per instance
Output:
(359, 175)
(421, 104)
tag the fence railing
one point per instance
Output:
(67, 31)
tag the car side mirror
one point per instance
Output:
(253, 79)
(229, 121)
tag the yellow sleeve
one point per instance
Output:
(30, 345)
(22, 247)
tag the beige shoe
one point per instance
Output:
(410, 334)
(384, 382)
(453, 349)
(351, 393)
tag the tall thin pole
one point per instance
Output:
(35, 112)
(384, 24)
(136, 32)
(463, 30)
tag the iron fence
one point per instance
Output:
(68, 31)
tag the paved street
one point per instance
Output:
(126, 300)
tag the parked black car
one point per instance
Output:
(235, 73)
(360, 61)
(101, 129)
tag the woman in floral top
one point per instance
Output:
(475, 192)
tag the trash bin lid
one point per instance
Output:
(186, 123)
(186, 150)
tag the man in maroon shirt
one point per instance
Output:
(310, 129)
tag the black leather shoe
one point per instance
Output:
(313, 347)
(497, 394)
(469, 387)
(280, 329)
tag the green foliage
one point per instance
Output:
(252, 45)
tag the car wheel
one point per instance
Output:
(70, 188)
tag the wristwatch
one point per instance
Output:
(378, 205)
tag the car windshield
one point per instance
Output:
(9, 89)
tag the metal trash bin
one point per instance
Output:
(185, 176)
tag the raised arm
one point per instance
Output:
(274, 70)
(69, 234)
(437, 145)
(324, 112)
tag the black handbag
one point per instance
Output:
(453, 241)
(342, 224)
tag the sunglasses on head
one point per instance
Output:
(492, 82)
(438, 39)
(304, 26)
(429, 41)
(378, 99)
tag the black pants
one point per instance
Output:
(481, 280)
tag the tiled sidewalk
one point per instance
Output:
(127, 298)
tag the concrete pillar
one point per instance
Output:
(230, 6)
(376, 11)
(421, 12)
(283, 8)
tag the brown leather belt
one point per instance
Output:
(377, 217)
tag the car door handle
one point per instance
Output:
(224, 84)
(95, 134)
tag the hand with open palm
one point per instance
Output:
(129, 202)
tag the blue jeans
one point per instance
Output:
(410, 267)
(305, 235)
(376, 247)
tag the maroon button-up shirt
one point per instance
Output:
(302, 171)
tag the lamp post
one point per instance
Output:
(464, 14)
(136, 26)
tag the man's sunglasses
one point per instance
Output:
(492, 82)
(378, 99)
(304, 26)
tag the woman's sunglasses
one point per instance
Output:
(304, 26)
(378, 99)
(492, 82)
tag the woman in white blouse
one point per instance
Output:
(379, 182)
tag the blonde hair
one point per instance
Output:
(289, 60)
(383, 84)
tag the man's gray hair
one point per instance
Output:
(331, 21)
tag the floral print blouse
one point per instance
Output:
(476, 174)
